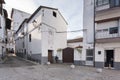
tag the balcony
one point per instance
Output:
(107, 35)
(106, 4)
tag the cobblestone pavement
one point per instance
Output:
(13, 61)
(54, 72)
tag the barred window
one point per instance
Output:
(113, 30)
(102, 2)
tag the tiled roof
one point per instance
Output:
(75, 40)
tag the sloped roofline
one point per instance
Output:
(21, 25)
(47, 8)
(18, 10)
(75, 40)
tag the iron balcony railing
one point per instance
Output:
(103, 35)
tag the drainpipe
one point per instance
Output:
(94, 32)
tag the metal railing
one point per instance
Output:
(103, 35)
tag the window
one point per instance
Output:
(114, 3)
(89, 54)
(105, 29)
(102, 2)
(99, 52)
(89, 58)
(29, 37)
(54, 14)
(23, 45)
(99, 2)
(105, 1)
(98, 30)
(113, 30)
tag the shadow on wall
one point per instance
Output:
(35, 44)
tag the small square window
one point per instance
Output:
(54, 14)
(113, 30)
(99, 52)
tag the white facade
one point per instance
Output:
(10, 41)
(88, 26)
(17, 18)
(107, 31)
(108, 35)
(77, 45)
(41, 34)
(3, 35)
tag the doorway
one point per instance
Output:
(109, 60)
(50, 56)
(68, 55)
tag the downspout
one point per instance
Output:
(94, 32)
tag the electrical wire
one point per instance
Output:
(71, 31)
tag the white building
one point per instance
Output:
(17, 17)
(40, 37)
(107, 31)
(88, 33)
(10, 41)
(76, 44)
(5, 24)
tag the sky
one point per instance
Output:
(72, 11)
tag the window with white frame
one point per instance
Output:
(102, 2)
(113, 30)
(89, 55)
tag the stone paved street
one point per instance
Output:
(23, 70)
(13, 61)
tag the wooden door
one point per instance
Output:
(68, 55)
(50, 56)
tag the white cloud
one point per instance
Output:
(24, 5)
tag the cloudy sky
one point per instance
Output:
(72, 10)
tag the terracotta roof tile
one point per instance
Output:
(75, 40)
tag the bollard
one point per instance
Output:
(72, 66)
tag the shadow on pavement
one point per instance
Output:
(14, 61)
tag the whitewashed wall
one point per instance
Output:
(2, 34)
(43, 27)
(111, 13)
(18, 17)
(35, 30)
(88, 25)
(78, 54)
(75, 44)
(106, 25)
(107, 46)
(60, 25)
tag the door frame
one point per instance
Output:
(105, 57)
(50, 51)
(72, 55)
